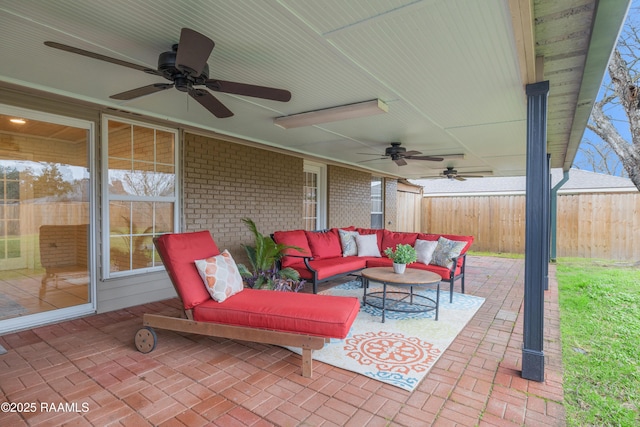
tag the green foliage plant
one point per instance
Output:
(263, 271)
(403, 254)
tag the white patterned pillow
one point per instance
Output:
(220, 276)
(445, 250)
(348, 242)
(425, 249)
(368, 245)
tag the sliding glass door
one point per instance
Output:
(45, 218)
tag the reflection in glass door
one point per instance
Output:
(45, 215)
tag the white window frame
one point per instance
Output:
(382, 195)
(107, 198)
(320, 170)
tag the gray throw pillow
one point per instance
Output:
(348, 242)
(445, 250)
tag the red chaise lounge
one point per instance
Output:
(292, 319)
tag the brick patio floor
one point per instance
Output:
(92, 365)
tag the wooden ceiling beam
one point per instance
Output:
(524, 36)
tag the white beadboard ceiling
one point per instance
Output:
(451, 71)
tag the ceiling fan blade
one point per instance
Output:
(429, 158)
(142, 91)
(410, 153)
(400, 162)
(372, 160)
(459, 178)
(193, 51)
(211, 103)
(249, 90)
(94, 55)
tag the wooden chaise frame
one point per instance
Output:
(145, 338)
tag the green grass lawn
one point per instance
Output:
(600, 323)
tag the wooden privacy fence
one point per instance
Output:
(589, 225)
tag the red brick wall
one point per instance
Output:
(224, 182)
(349, 197)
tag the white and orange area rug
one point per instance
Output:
(402, 350)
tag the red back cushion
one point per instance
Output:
(324, 244)
(392, 238)
(292, 238)
(179, 252)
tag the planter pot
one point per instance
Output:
(399, 268)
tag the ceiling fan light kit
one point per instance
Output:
(333, 114)
(185, 66)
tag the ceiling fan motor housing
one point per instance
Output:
(183, 81)
(394, 150)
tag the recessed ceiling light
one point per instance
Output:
(18, 121)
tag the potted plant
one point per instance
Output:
(263, 259)
(401, 256)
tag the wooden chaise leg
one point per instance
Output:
(307, 362)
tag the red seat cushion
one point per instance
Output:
(324, 244)
(444, 272)
(379, 262)
(330, 266)
(390, 239)
(321, 315)
(292, 238)
(179, 252)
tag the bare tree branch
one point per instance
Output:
(622, 93)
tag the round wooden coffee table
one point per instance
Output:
(400, 300)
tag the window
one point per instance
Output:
(10, 240)
(140, 191)
(377, 205)
(313, 200)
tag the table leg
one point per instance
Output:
(384, 298)
(365, 285)
(437, 299)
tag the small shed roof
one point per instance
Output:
(579, 181)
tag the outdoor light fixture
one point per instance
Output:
(333, 114)
(18, 121)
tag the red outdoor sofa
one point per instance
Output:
(323, 256)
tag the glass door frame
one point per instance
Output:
(51, 316)
(320, 170)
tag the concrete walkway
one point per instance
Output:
(88, 372)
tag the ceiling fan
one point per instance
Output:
(185, 66)
(400, 155)
(451, 173)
